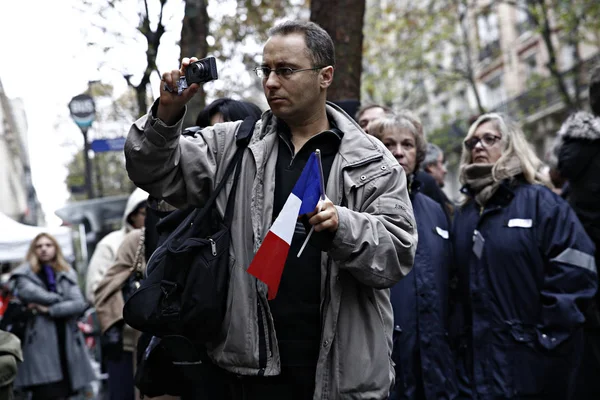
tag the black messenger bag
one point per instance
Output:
(187, 277)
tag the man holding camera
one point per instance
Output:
(328, 333)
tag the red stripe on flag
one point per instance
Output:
(268, 262)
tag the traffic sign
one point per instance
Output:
(83, 110)
(102, 145)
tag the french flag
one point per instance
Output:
(269, 260)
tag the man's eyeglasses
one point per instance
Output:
(286, 72)
(486, 141)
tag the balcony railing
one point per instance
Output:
(547, 94)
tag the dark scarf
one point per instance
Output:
(484, 182)
(50, 277)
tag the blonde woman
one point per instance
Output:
(55, 362)
(526, 271)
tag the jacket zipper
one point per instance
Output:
(213, 246)
(262, 336)
(327, 298)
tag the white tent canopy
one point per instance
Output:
(16, 237)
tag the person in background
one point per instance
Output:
(350, 106)
(434, 164)
(526, 272)
(578, 153)
(103, 257)
(429, 185)
(226, 110)
(424, 362)
(55, 364)
(106, 249)
(368, 113)
(328, 333)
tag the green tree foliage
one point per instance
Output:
(238, 29)
(561, 22)
(414, 47)
(109, 176)
(113, 118)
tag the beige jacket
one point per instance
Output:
(373, 248)
(109, 296)
(106, 249)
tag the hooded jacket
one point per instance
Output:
(109, 299)
(372, 249)
(106, 249)
(578, 151)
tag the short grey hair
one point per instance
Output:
(318, 42)
(432, 155)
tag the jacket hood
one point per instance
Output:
(581, 125)
(133, 201)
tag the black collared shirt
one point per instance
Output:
(296, 309)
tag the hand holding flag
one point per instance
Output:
(269, 260)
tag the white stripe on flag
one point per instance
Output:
(285, 223)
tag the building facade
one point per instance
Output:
(18, 198)
(511, 61)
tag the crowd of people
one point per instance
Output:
(400, 293)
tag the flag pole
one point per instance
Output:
(312, 229)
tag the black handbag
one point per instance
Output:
(15, 318)
(134, 280)
(187, 277)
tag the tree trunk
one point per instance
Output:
(343, 20)
(193, 44)
(552, 59)
(468, 54)
(153, 41)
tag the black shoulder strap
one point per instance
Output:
(243, 136)
(245, 131)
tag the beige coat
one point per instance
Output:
(106, 249)
(373, 247)
(109, 297)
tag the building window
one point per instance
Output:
(567, 56)
(530, 64)
(493, 93)
(524, 22)
(489, 35)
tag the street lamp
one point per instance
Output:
(83, 112)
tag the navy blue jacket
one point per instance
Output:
(524, 296)
(424, 364)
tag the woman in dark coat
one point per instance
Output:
(55, 364)
(424, 363)
(526, 272)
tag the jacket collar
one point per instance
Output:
(414, 185)
(26, 271)
(358, 147)
(502, 197)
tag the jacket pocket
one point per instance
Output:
(526, 361)
(361, 351)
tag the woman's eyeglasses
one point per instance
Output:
(486, 141)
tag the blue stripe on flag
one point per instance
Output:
(308, 186)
